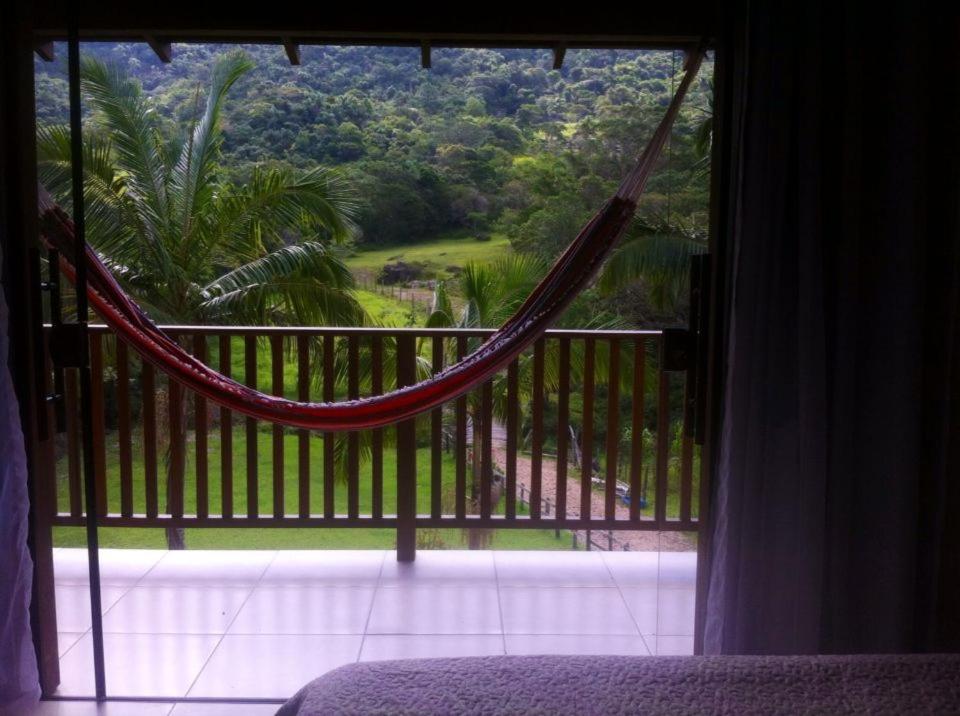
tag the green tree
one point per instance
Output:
(658, 253)
(490, 294)
(190, 247)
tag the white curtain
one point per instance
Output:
(19, 685)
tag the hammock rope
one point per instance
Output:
(572, 272)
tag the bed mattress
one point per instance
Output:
(888, 684)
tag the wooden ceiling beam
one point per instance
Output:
(163, 50)
(309, 23)
(45, 51)
(292, 49)
(426, 61)
(559, 52)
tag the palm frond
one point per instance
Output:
(478, 283)
(517, 275)
(131, 121)
(193, 170)
(55, 160)
(658, 258)
(307, 282)
(441, 308)
(277, 202)
(106, 211)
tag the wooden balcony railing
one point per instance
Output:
(582, 432)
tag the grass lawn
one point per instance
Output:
(388, 311)
(285, 538)
(435, 255)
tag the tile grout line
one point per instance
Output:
(226, 629)
(373, 599)
(127, 589)
(89, 629)
(74, 644)
(626, 606)
(496, 581)
(135, 584)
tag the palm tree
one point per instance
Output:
(658, 249)
(190, 247)
(491, 293)
(658, 252)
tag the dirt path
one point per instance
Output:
(635, 540)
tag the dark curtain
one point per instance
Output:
(836, 496)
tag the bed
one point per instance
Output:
(890, 684)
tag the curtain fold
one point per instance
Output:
(19, 684)
(835, 499)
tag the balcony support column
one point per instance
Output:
(406, 457)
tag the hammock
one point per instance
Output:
(568, 276)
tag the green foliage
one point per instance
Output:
(657, 253)
(490, 292)
(190, 246)
(487, 141)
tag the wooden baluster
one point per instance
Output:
(276, 365)
(460, 457)
(98, 432)
(563, 421)
(613, 430)
(148, 393)
(124, 436)
(636, 427)
(663, 443)
(536, 433)
(353, 439)
(303, 436)
(486, 452)
(226, 435)
(406, 457)
(329, 444)
(376, 440)
(72, 402)
(586, 453)
(253, 482)
(175, 429)
(200, 427)
(513, 420)
(436, 437)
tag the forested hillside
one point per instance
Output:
(487, 142)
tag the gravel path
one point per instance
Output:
(635, 540)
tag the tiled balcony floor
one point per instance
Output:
(260, 624)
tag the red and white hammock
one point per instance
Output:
(568, 276)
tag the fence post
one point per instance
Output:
(609, 541)
(574, 540)
(406, 458)
(588, 541)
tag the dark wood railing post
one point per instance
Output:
(406, 458)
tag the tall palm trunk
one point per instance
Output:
(480, 538)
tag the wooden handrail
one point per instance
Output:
(417, 332)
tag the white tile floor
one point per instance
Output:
(261, 624)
